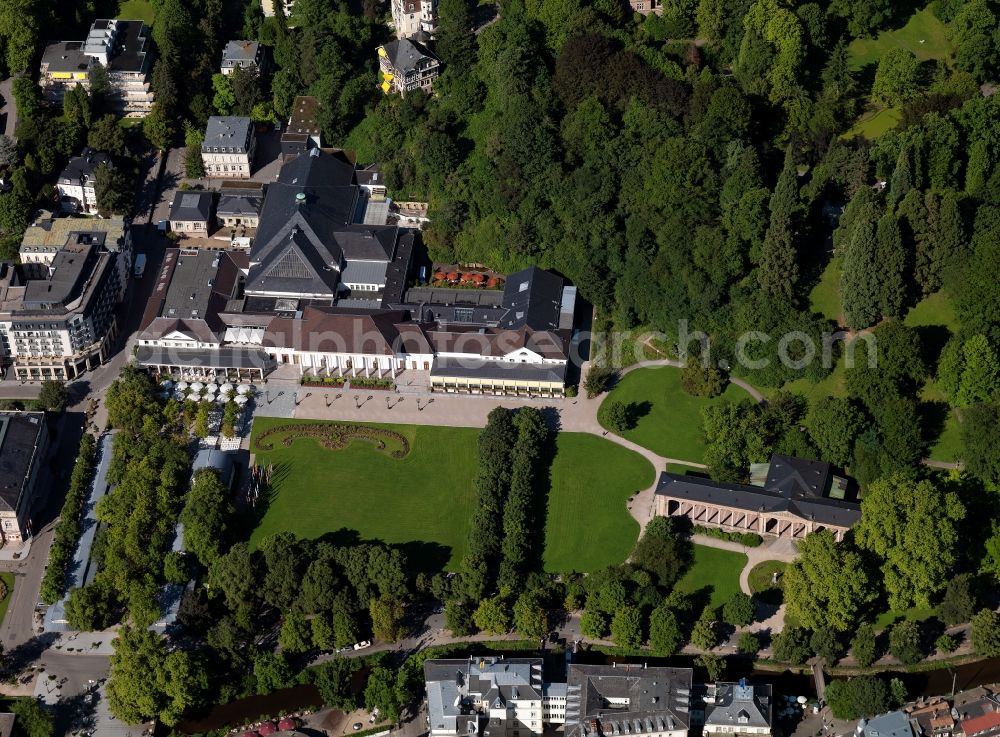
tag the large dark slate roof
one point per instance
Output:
(498, 370)
(191, 206)
(532, 297)
(306, 229)
(20, 433)
(83, 167)
(405, 54)
(736, 704)
(802, 500)
(367, 242)
(659, 699)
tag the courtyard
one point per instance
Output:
(421, 496)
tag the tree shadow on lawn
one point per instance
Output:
(635, 411)
(932, 342)
(422, 556)
(933, 418)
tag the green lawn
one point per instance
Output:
(933, 310)
(136, 10)
(948, 446)
(760, 580)
(873, 123)
(669, 422)
(935, 320)
(915, 614)
(825, 296)
(831, 386)
(715, 569)
(761, 575)
(924, 35)
(588, 526)
(8, 579)
(426, 498)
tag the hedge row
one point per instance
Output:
(68, 529)
(749, 539)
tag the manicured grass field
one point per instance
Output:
(933, 310)
(715, 569)
(669, 422)
(825, 296)
(7, 578)
(924, 35)
(588, 526)
(873, 123)
(948, 446)
(427, 497)
(136, 10)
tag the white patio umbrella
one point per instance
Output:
(167, 384)
(197, 386)
(181, 386)
(243, 389)
(241, 399)
(211, 389)
(207, 398)
(179, 396)
(226, 388)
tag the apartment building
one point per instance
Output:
(77, 182)
(407, 65)
(24, 442)
(242, 55)
(57, 318)
(229, 147)
(47, 235)
(412, 17)
(121, 47)
(499, 697)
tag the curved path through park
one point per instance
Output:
(414, 406)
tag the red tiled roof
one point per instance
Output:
(981, 724)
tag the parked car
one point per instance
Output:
(374, 716)
(357, 726)
(362, 645)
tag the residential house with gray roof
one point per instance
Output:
(407, 65)
(241, 55)
(77, 183)
(240, 204)
(742, 709)
(191, 213)
(229, 147)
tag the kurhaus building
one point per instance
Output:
(788, 497)
(325, 288)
